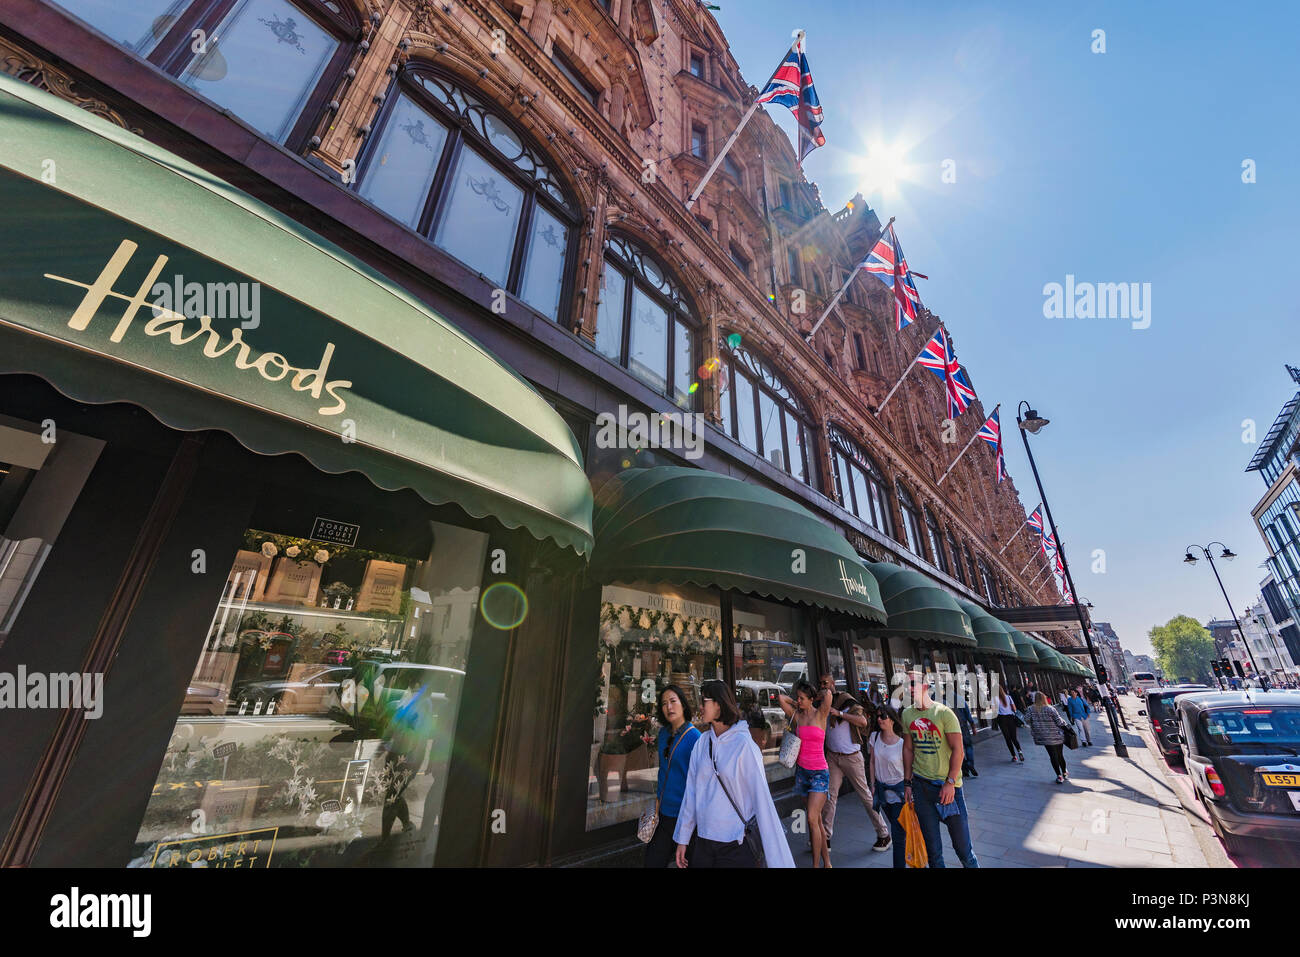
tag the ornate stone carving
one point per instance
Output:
(30, 68)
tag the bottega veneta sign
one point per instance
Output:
(197, 332)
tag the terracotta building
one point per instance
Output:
(517, 172)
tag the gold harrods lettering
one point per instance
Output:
(270, 365)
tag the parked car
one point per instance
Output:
(1242, 752)
(764, 695)
(1159, 711)
(380, 689)
(205, 697)
(314, 691)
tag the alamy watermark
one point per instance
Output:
(660, 430)
(216, 300)
(38, 689)
(1099, 300)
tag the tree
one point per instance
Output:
(1183, 647)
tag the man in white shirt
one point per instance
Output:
(846, 727)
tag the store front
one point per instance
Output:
(695, 576)
(305, 530)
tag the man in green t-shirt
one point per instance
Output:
(932, 756)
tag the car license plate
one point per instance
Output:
(1282, 780)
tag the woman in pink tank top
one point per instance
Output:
(808, 712)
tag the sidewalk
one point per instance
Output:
(1112, 812)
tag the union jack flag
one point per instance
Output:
(888, 264)
(1035, 519)
(991, 432)
(792, 87)
(938, 357)
(1048, 544)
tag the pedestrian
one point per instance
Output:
(967, 723)
(885, 746)
(1078, 711)
(677, 738)
(1009, 725)
(846, 724)
(727, 793)
(1048, 729)
(932, 754)
(808, 712)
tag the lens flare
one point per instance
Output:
(733, 340)
(504, 605)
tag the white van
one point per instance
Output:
(1142, 682)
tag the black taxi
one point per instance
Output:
(1242, 752)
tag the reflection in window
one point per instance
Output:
(322, 710)
(869, 663)
(650, 331)
(864, 492)
(262, 63)
(751, 392)
(936, 543)
(956, 559)
(911, 522)
(770, 651)
(139, 25)
(901, 659)
(494, 187)
(651, 636)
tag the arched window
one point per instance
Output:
(763, 414)
(272, 63)
(859, 482)
(936, 541)
(987, 579)
(911, 521)
(974, 580)
(442, 163)
(955, 551)
(645, 323)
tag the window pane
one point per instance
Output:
(262, 64)
(479, 222)
(322, 708)
(609, 315)
(770, 653)
(137, 25)
(770, 423)
(882, 518)
(746, 434)
(398, 177)
(864, 496)
(651, 636)
(724, 398)
(683, 368)
(842, 476)
(794, 433)
(544, 270)
(648, 349)
(869, 662)
(902, 656)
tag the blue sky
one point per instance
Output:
(1123, 166)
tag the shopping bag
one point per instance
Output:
(916, 855)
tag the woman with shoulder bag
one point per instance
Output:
(1048, 729)
(727, 806)
(677, 738)
(812, 775)
(1008, 724)
(886, 770)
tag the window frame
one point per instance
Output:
(761, 375)
(955, 547)
(939, 559)
(676, 306)
(846, 450)
(460, 128)
(911, 521)
(703, 130)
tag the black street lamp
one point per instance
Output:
(1032, 422)
(1227, 555)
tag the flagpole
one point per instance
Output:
(1022, 527)
(853, 274)
(1031, 560)
(881, 408)
(968, 445)
(731, 140)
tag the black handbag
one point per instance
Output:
(752, 839)
(1071, 737)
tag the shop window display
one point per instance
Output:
(770, 654)
(651, 636)
(316, 730)
(869, 663)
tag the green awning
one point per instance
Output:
(989, 633)
(290, 345)
(1045, 657)
(1024, 647)
(918, 608)
(686, 525)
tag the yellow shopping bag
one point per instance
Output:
(916, 856)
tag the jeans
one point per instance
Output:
(1082, 730)
(926, 795)
(1007, 722)
(896, 833)
(1057, 754)
(853, 767)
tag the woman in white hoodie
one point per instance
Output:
(727, 751)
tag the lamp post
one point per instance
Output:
(1031, 422)
(1228, 555)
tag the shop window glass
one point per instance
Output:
(650, 636)
(544, 268)
(835, 659)
(407, 155)
(318, 725)
(262, 64)
(138, 25)
(869, 663)
(902, 656)
(478, 226)
(770, 653)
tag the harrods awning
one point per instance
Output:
(1045, 657)
(1024, 647)
(131, 275)
(918, 608)
(1004, 645)
(690, 526)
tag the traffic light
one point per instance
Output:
(1226, 665)
(1237, 664)
(1101, 674)
(1216, 667)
